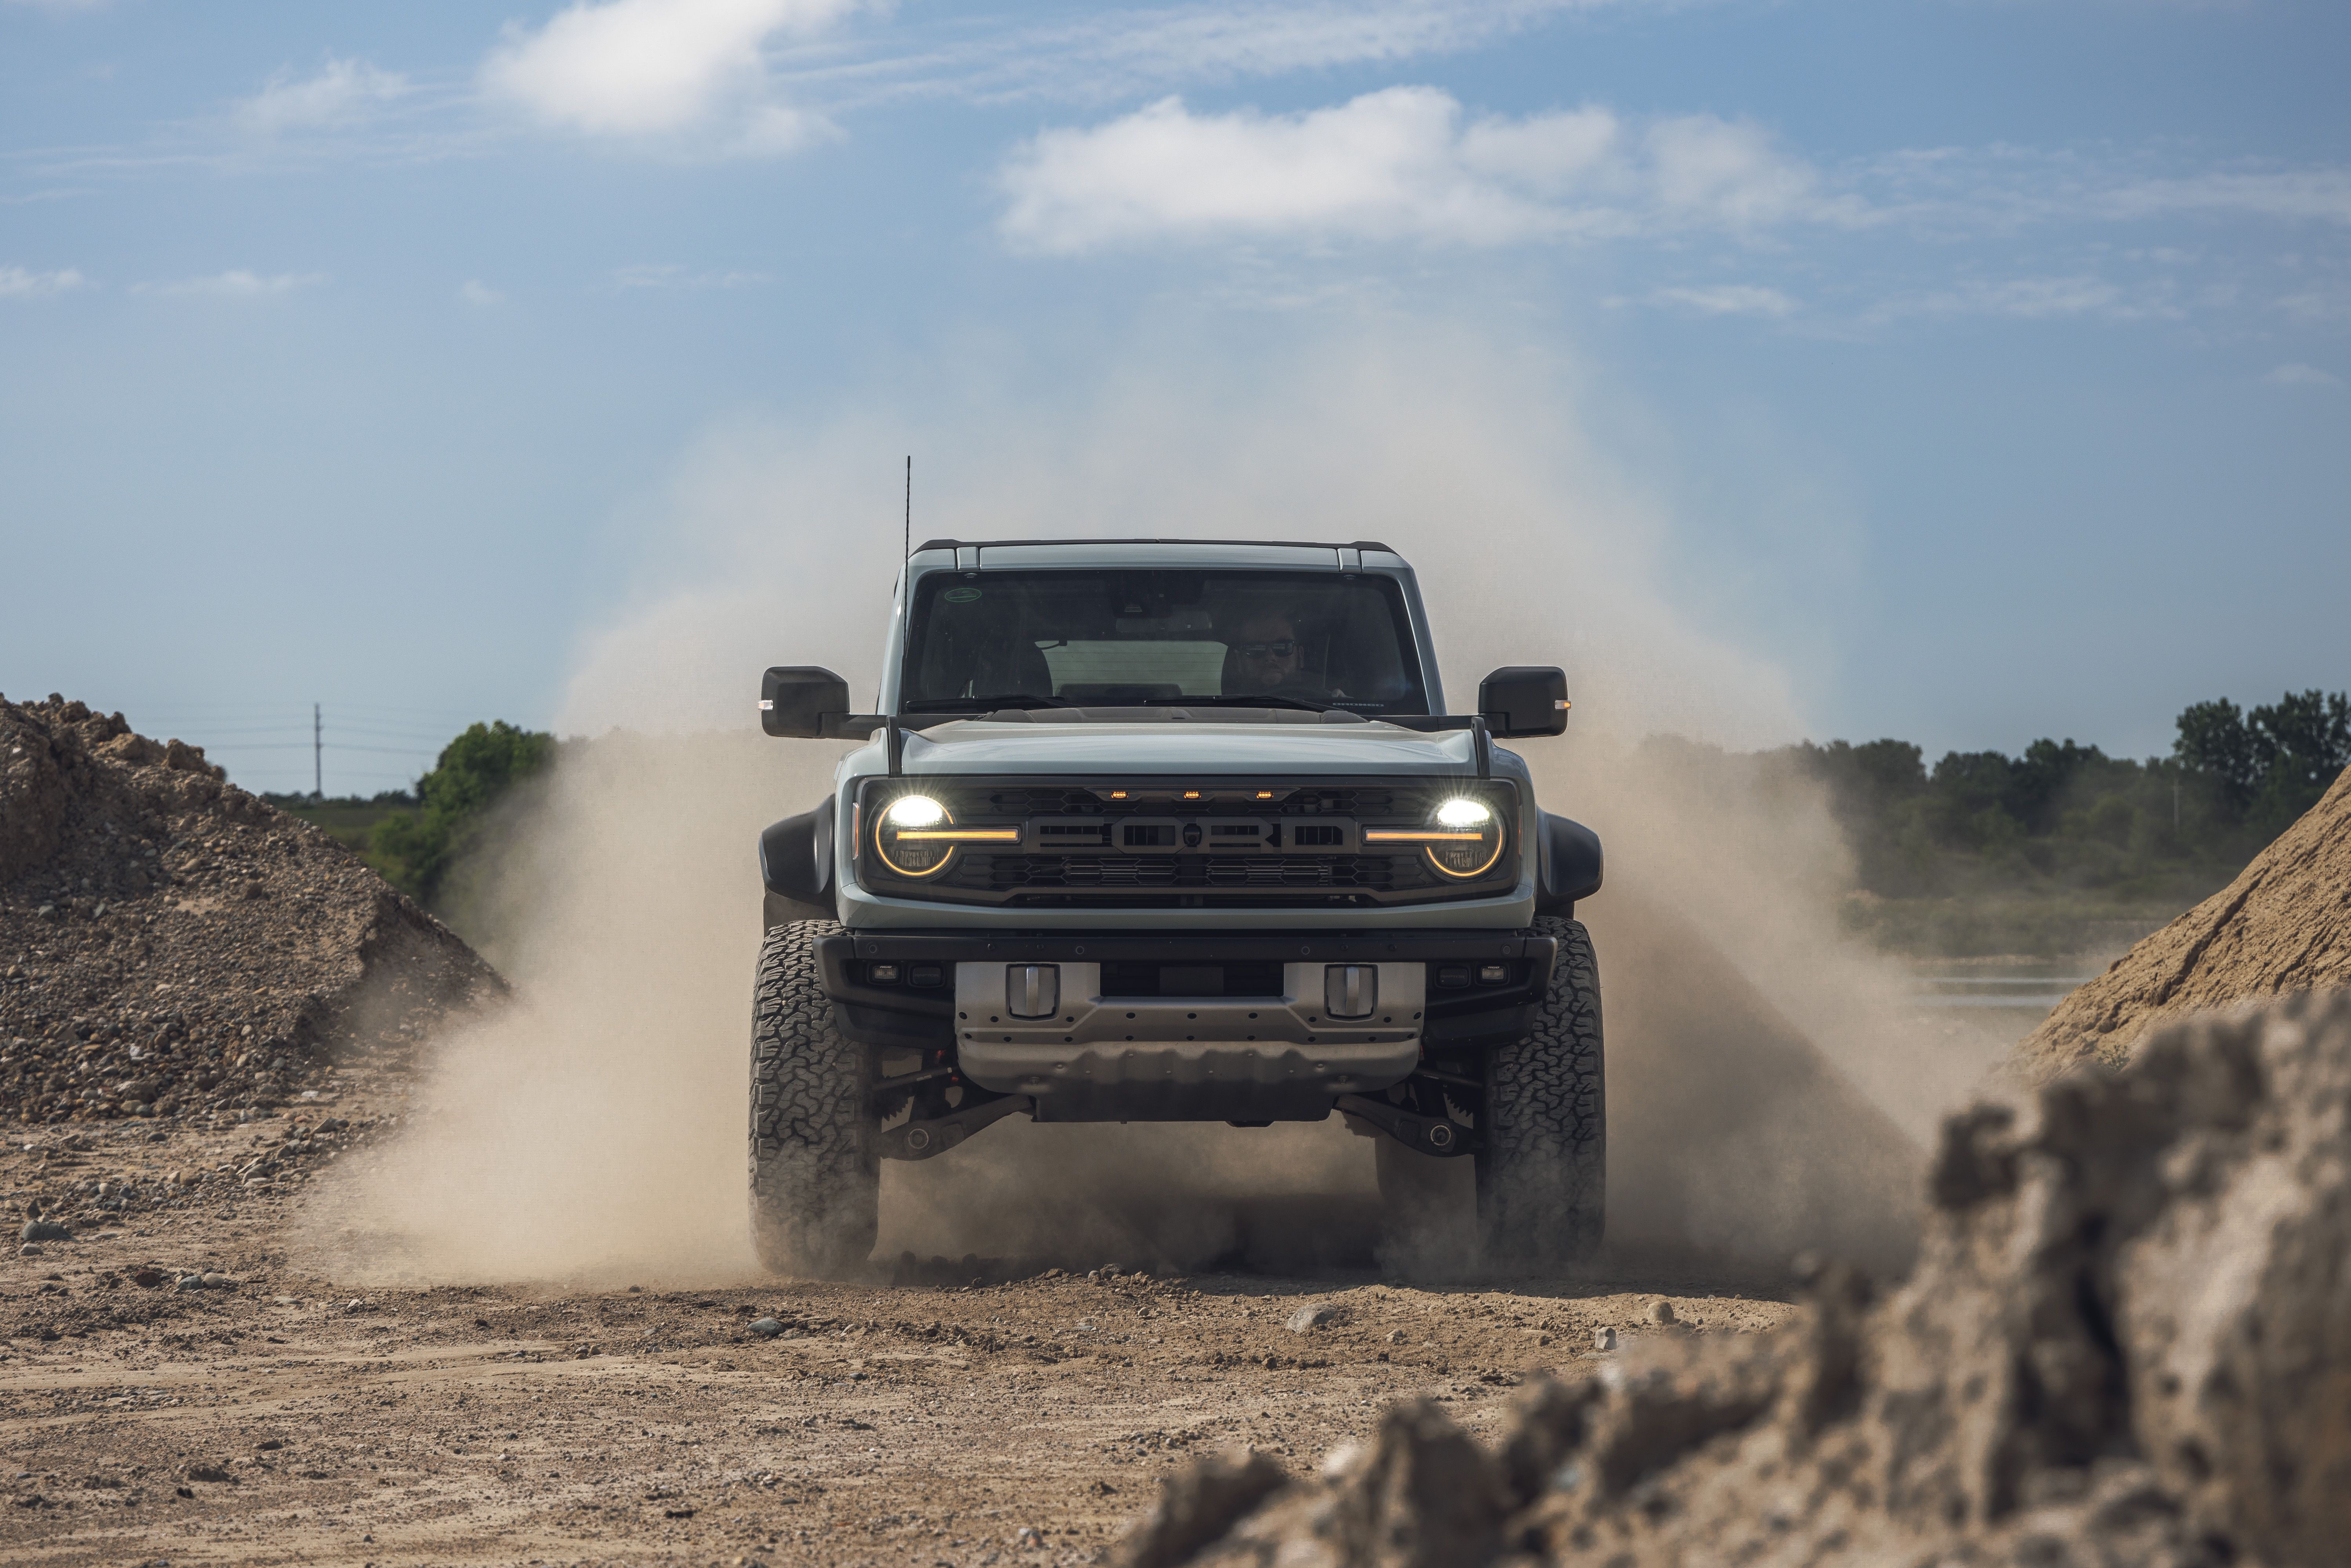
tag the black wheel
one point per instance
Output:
(1542, 1173)
(815, 1182)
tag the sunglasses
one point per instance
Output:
(1282, 649)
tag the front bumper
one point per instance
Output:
(1186, 1058)
(1191, 1056)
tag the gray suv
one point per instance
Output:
(1156, 830)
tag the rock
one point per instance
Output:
(1662, 1313)
(766, 1328)
(1396, 1337)
(271, 1445)
(1603, 1338)
(28, 1250)
(1196, 1505)
(44, 1230)
(147, 1279)
(207, 1473)
(217, 1281)
(1313, 1316)
(2124, 1343)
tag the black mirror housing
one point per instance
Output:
(1525, 699)
(799, 700)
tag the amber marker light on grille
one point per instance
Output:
(1265, 794)
(1191, 794)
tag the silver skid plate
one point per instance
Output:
(1147, 1058)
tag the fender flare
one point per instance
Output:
(1570, 865)
(795, 865)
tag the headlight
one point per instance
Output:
(1463, 839)
(916, 811)
(1460, 813)
(916, 836)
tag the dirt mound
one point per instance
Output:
(2127, 1341)
(2284, 926)
(169, 943)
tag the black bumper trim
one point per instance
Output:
(902, 1015)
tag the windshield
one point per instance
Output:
(1123, 639)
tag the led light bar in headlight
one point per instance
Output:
(915, 835)
(1465, 840)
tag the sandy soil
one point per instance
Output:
(972, 1417)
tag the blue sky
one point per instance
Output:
(1976, 366)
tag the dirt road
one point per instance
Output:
(287, 1418)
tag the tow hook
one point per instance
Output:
(1436, 1135)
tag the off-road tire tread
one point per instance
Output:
(1544, 1173)
(815, 1176)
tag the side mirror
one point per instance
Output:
(796, 700)
(1525, 699)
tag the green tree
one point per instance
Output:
(2214, 742)
(2300, 741)
(416, 851)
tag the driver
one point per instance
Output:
(1268, 657)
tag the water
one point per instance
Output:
(2026, 989)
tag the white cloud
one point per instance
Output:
(2040, 297)
(1729, 299)
(342, 92)
(474, 291)
(1113, 51)
(237, 284)
(1400, 164)
(650, 68)
(17, 283)
(2072, 296)
(2322, 196)
(2302, 376)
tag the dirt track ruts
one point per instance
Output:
(926, 1424)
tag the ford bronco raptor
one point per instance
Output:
(1151, 829)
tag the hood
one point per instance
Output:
(1202, 741)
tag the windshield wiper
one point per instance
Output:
(984, 704)
(1265, 700)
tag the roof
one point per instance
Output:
(1284, 544)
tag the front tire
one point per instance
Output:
(1542, 1175)
(815, 1181)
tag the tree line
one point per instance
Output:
(2071, 815)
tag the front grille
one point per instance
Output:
(1383, 872)
(1150, 843)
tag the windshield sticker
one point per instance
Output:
(960, 595)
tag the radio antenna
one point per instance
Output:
(909, 551)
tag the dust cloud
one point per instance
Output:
(1769, 1085)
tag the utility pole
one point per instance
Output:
(317, 754)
